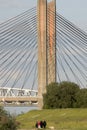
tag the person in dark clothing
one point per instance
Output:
(44, 124)
(36, 125)
(41, 124)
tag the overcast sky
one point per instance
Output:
(73, 10)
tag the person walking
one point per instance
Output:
(44, 124)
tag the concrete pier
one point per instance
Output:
(46, 25)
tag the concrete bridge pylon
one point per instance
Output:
(46, 24)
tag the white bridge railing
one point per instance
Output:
(17, 92)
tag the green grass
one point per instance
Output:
(60, 119)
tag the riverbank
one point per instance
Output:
(58, 119)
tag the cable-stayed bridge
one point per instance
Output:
(19, 54)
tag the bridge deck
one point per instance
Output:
(19, 99)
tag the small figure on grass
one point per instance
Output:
(44, 124)
(41, 124)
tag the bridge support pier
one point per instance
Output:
(46, 14)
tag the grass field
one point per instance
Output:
(59, 119)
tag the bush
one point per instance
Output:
(63, 95)
(7, 121)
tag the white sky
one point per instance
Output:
(73, 10)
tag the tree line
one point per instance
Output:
(65, 95)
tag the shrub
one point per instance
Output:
(63, 95)
(7, 121)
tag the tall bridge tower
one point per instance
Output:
(46, 22)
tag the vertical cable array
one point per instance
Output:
(18, 51)
(71, 51)
(19, 48)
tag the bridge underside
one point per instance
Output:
(18, 99)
